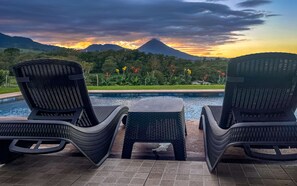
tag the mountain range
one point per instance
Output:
(23, 43)
(153, 46)
(99, 47)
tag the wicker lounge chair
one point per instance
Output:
(258, 109)
(61, 112)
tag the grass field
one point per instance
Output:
(156, 87)
(4, 90)
(152, 87)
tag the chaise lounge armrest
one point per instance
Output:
(247, 134)
(94, 142)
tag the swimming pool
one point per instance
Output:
(193, 103)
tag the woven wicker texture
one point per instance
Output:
(56, 93)
(156, 127)
(258, 108)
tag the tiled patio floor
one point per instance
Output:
(61, 170)
(69, 167)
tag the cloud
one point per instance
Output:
(197, 24)
(214, 0)
(253, 3)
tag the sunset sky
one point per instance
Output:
(225, 28)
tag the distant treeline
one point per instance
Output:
(127, 67)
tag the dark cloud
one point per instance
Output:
(214, 0)
(272, 15)
(197, 23)
(253, 3)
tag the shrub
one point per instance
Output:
(3, 74)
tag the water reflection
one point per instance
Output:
(193, 105)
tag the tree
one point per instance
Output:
(109, 66)
(12, 51)
(10, 57)
(3, 74)
(87, 67)
(154, 63)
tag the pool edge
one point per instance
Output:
(8, 97)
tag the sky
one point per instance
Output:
(222, 28)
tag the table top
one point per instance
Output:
(158, 104)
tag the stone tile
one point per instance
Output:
(270, 182)
(132, 169)
(182, 177)
(91, 184)
(157, 169)
(79, 183)
(240, 180)
(194, 177)
(266, 174)
(76, 171)
(102, 173)
(227, 184)
(167, 176)
(124, 180)
(107, 168)
(135, 164)
(281, 175)
(183, 171)
(170, 170)
(227, 179)
(211, 178)
(147, 164)
(97, 179)
(286, 182)
(3, 179)
(11, 180)
(31, 181)
(255, 181)
(167, 182)
(182, 182)
(124, 163)
(120, 168)
(196, 183)
(252, 174)
(211, 183)
(64, 183)
(137, 181)
(155, 176)
(152, 182)
(144, 169)
(128, 174)
(110, 180)
(141, 175)
(197, 171)
(51, 182)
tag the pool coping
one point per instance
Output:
(18, 94)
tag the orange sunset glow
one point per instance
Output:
(202, 28)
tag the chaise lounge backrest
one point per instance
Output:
(55, 90)
(260, 87)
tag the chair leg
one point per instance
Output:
(5, 155)
(127, 149)
(179, 150)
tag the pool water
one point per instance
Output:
(193, 105)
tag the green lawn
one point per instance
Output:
(152, 87)
(4, 90)
(156, 87)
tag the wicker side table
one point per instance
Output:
(156, 119)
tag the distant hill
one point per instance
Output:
(24, 43)
(99, 47)
(155, 46)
